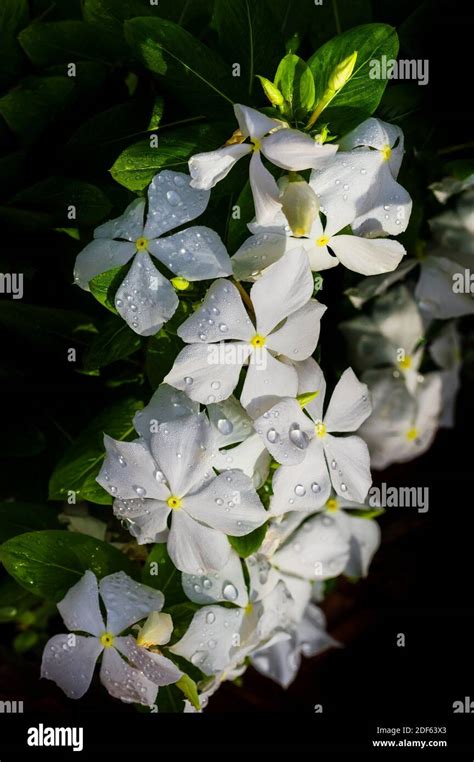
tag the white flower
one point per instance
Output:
(311, 457)
(359, 187)
(402, 426)
(284, 147)
(146, 299)
(446, 352)
(286, 329)
(391, 336)
(172, 475)
(69, 660)
(367, 256)
(218, 638)
(282, 660)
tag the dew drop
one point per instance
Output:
(230, 592)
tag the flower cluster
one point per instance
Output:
(256, 487)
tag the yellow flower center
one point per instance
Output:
(386, 152)
(258, 341)
(180, 284)
(256, 144)
(249, 608)
(332, 504)
(406, 363)
(141, 244)
(320, 430)
(107, 639)
(174, 502)
(412, 434)
(323, 241)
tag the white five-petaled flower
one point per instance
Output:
(69, 660)
(284, 147)
(172, 474)
(311, 457)
(367, 256)
(391, 336)
(286, 330)
(402, 425)
(146, 299)
(359, 188)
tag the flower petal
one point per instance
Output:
(367, 256)
(172, 202)
(286, 287)
(298, 336)
(231, 422)
(228, 503)
(259, 252)
(253, 123)
(293, 150)
(209, 640)
(209, 168)
(146, 299)
(365, 539)
(128, 226)
(286, 431)
(184, 449)
(157, 668)
(267, 377)
(265, 191)
(377, 134)
(146, 519)
(98, 256)
(434, 290)
(166, 404)
(398, 319)
(196, 253)
(208, 373)
(129, 471)
(304, 486)
(390, 213)
(80, 606)
(210, 589)
(311, 379)
(69, 661)
(349, 466)
(349, 405)
(250, 456)
(194, 548)
(221, 316)
(124, 682)
(127, 601)
(319, 550)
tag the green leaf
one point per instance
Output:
(191, 71)
(31, 107)
(363, 513)
(48, 563)
(249, 35)
(295, 81)
(138, 164)
(187, 685)
(182, 615)
(160, 354)
(42, 324)
(361, 95)
(62, 42)
(13, 15)
(114, 341)
(105, 285)
(55, 195)
(83, 460)
(168, 578)
(170, 700)
(250, 543)
(17, 518)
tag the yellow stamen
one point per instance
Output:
(249, 608)
(174, 502)
(256, 144)
(406, 363)
(323, 241)
(320, 430)
(107, 639)
(332, 504)
(235, 138)
(258, 341)
(412, 434)
(180, 284)
(386, 152)
(141, 244)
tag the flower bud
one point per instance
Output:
(342, 72)
(156, 631)
(299, 204)
(272, 92)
